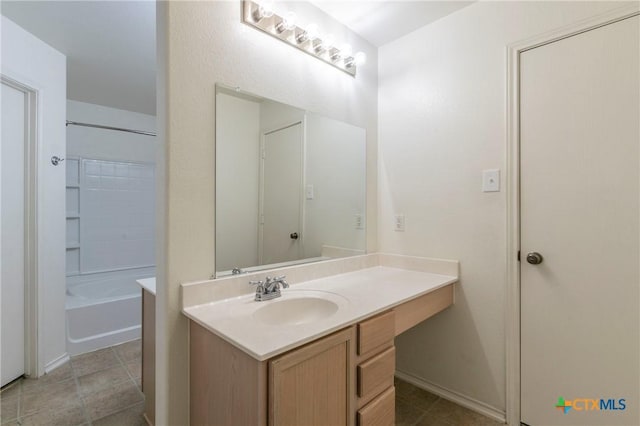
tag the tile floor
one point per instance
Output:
(417, 407)
(102, 388)
(98, 388)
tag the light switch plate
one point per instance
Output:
(398, 223)
(309, 192)
(491, 180)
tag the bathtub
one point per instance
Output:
(103, 309)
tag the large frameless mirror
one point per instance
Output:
(290, 185)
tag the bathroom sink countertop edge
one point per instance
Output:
(358, 295)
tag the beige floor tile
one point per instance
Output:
(431, 420)
(420, 398)
(130, 351)
(48, 396)
(480, 420)
(112, 399)
(407, 414)
(12, 390)
(8, 407)
(60, 374)
(94, 361)
(69, 416)
(132, 416)
(135, 368)
(403, 388)
(94, 382)
(458, 415)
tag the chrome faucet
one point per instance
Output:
(269, 288)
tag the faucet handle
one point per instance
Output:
(258, 283)
(281, 280)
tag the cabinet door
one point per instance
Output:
(313, 385)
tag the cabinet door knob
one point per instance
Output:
(293, 235)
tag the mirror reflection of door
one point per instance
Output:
(280, 238)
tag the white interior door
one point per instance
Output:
(281, 195)
(580, 132)
(12, 239)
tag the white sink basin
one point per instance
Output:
(301, 308)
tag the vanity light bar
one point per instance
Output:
(262, 17)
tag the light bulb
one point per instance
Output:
(287, 24)
(312, 31)
(360, 59)
(327, 41)
(264, 10)
(346, 50)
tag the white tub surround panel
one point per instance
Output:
(117, 215)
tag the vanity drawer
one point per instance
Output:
(376, 332)
(376, 374)
(380, 411)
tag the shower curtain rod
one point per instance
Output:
(119, 129)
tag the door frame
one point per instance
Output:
(303, 147)
(32, 309)
(513, 317)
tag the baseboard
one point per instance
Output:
(61, 360)
(146, 419)
(458, 398)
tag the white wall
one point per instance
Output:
(200, 44)
(33, 63)
(442, 99)
(237, 124)
(103, 144)
(335, 166)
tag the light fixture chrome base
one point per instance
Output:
(269, 25)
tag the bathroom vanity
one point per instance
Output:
(149, 347)
(323, 353)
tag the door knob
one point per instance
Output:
(293, 235)
(534, 258)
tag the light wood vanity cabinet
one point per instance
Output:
(345, 378)
(313, 385)
(376, 365)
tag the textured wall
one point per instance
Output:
(201, 44)
(442, 99)
(29, 61)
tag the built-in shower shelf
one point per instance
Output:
(73, 246)
(73, 186)
(73, 215)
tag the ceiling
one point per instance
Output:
(110, 45)
(380, 22)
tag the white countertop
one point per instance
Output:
(148, 284)
(358, 294)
